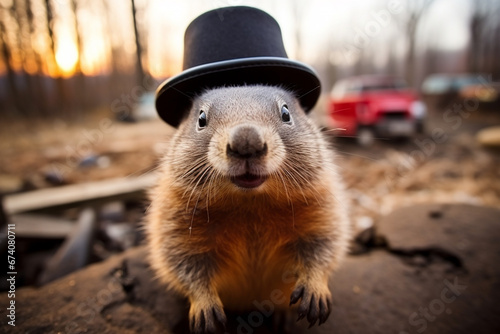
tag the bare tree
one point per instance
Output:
(81, 100)
(59, 104)
(140, 69)
(36, 78)
(74, 7)
(18, 43)
(483, 26)
(50, 20)
(13, 95)
(477, 28)
(416, 10)
(494, 64)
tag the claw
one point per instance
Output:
(296, 295)
(303, 308)
(315, 306)
(220, 316)
(324, 310)
(312, 315)
(207, 320)
(204, 322)
(210, 326)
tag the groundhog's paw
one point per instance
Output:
(315, 304)
(208, 318)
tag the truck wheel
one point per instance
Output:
(365, 137)
(419, 127)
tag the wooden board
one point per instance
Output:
(41, 226)
(73, 195)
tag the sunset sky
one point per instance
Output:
(327, 29)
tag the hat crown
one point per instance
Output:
(232, 33)
(234, 46)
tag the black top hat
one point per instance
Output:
(233, 46)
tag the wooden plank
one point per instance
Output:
(78, 194)
(75, 251)
(41, 226)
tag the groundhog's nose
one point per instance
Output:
(246, 141)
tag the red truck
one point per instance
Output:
(373, 106)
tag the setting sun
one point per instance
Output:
(66, 55)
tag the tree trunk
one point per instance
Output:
(59, 105)
(81, 100)
(140, 70)
(14, 103)
(37, 79)
(410, 55)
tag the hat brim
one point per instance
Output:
(174, 96)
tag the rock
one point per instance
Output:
(436, 214)
(364, 235)
(434, 275)
(489, 137)
(54, 177)
(103, 162)
(88, 161)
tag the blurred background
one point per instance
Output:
(64, 57)
(410, 86)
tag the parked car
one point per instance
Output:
(145, 108)
(375, 106)
(441, 90)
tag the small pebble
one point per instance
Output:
(436, 214)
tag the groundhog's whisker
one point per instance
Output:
(210, 178)
(209, 170)
(332, 130)
(196, 177)
(294, 181)
(302, 173)
(196, 165)
(199, 178)
(310, 91)
(357, 155)
(299, 172)
(194, 174)
(280, 176)
(207, 196)
(290, 201)
(213, 176)
(146, 172)
(192, 216)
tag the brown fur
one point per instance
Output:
(224, 246)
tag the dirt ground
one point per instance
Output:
(446, 164)
(434, 274)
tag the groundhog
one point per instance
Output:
(249, 207)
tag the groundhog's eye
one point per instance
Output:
(285, 114)
(202, 119)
